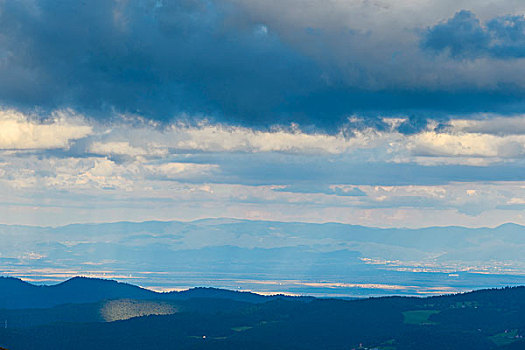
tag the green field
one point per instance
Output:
(501, 339)
(419, 317)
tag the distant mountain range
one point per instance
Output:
(102, 314)
(298, 258)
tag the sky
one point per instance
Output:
(374, 112)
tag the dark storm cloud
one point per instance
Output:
(465, 36)
(185, 56)
(208, 59)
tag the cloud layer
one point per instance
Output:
(466, 171)
(260, 63)
(18, 132)
(464, 36)
(383, 112)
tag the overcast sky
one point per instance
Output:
(374, 112)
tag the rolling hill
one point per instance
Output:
(17, 294)
(214, 319)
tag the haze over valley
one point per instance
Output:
(270, 257)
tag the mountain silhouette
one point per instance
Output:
(17, 294)
(206, 318)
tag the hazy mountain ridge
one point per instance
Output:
(226, 253)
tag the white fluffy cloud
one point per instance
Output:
(468, 142)
(219, 138)
(124, 148)
(467, 145)
(155, 169)
(177, 170)
(19, 132)
(492, 125)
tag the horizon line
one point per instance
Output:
(189, 221)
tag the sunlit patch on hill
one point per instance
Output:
(123, 309)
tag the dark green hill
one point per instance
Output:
(17, 294)
(482, 320)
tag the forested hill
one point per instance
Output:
(214, 319)
(17, 294)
